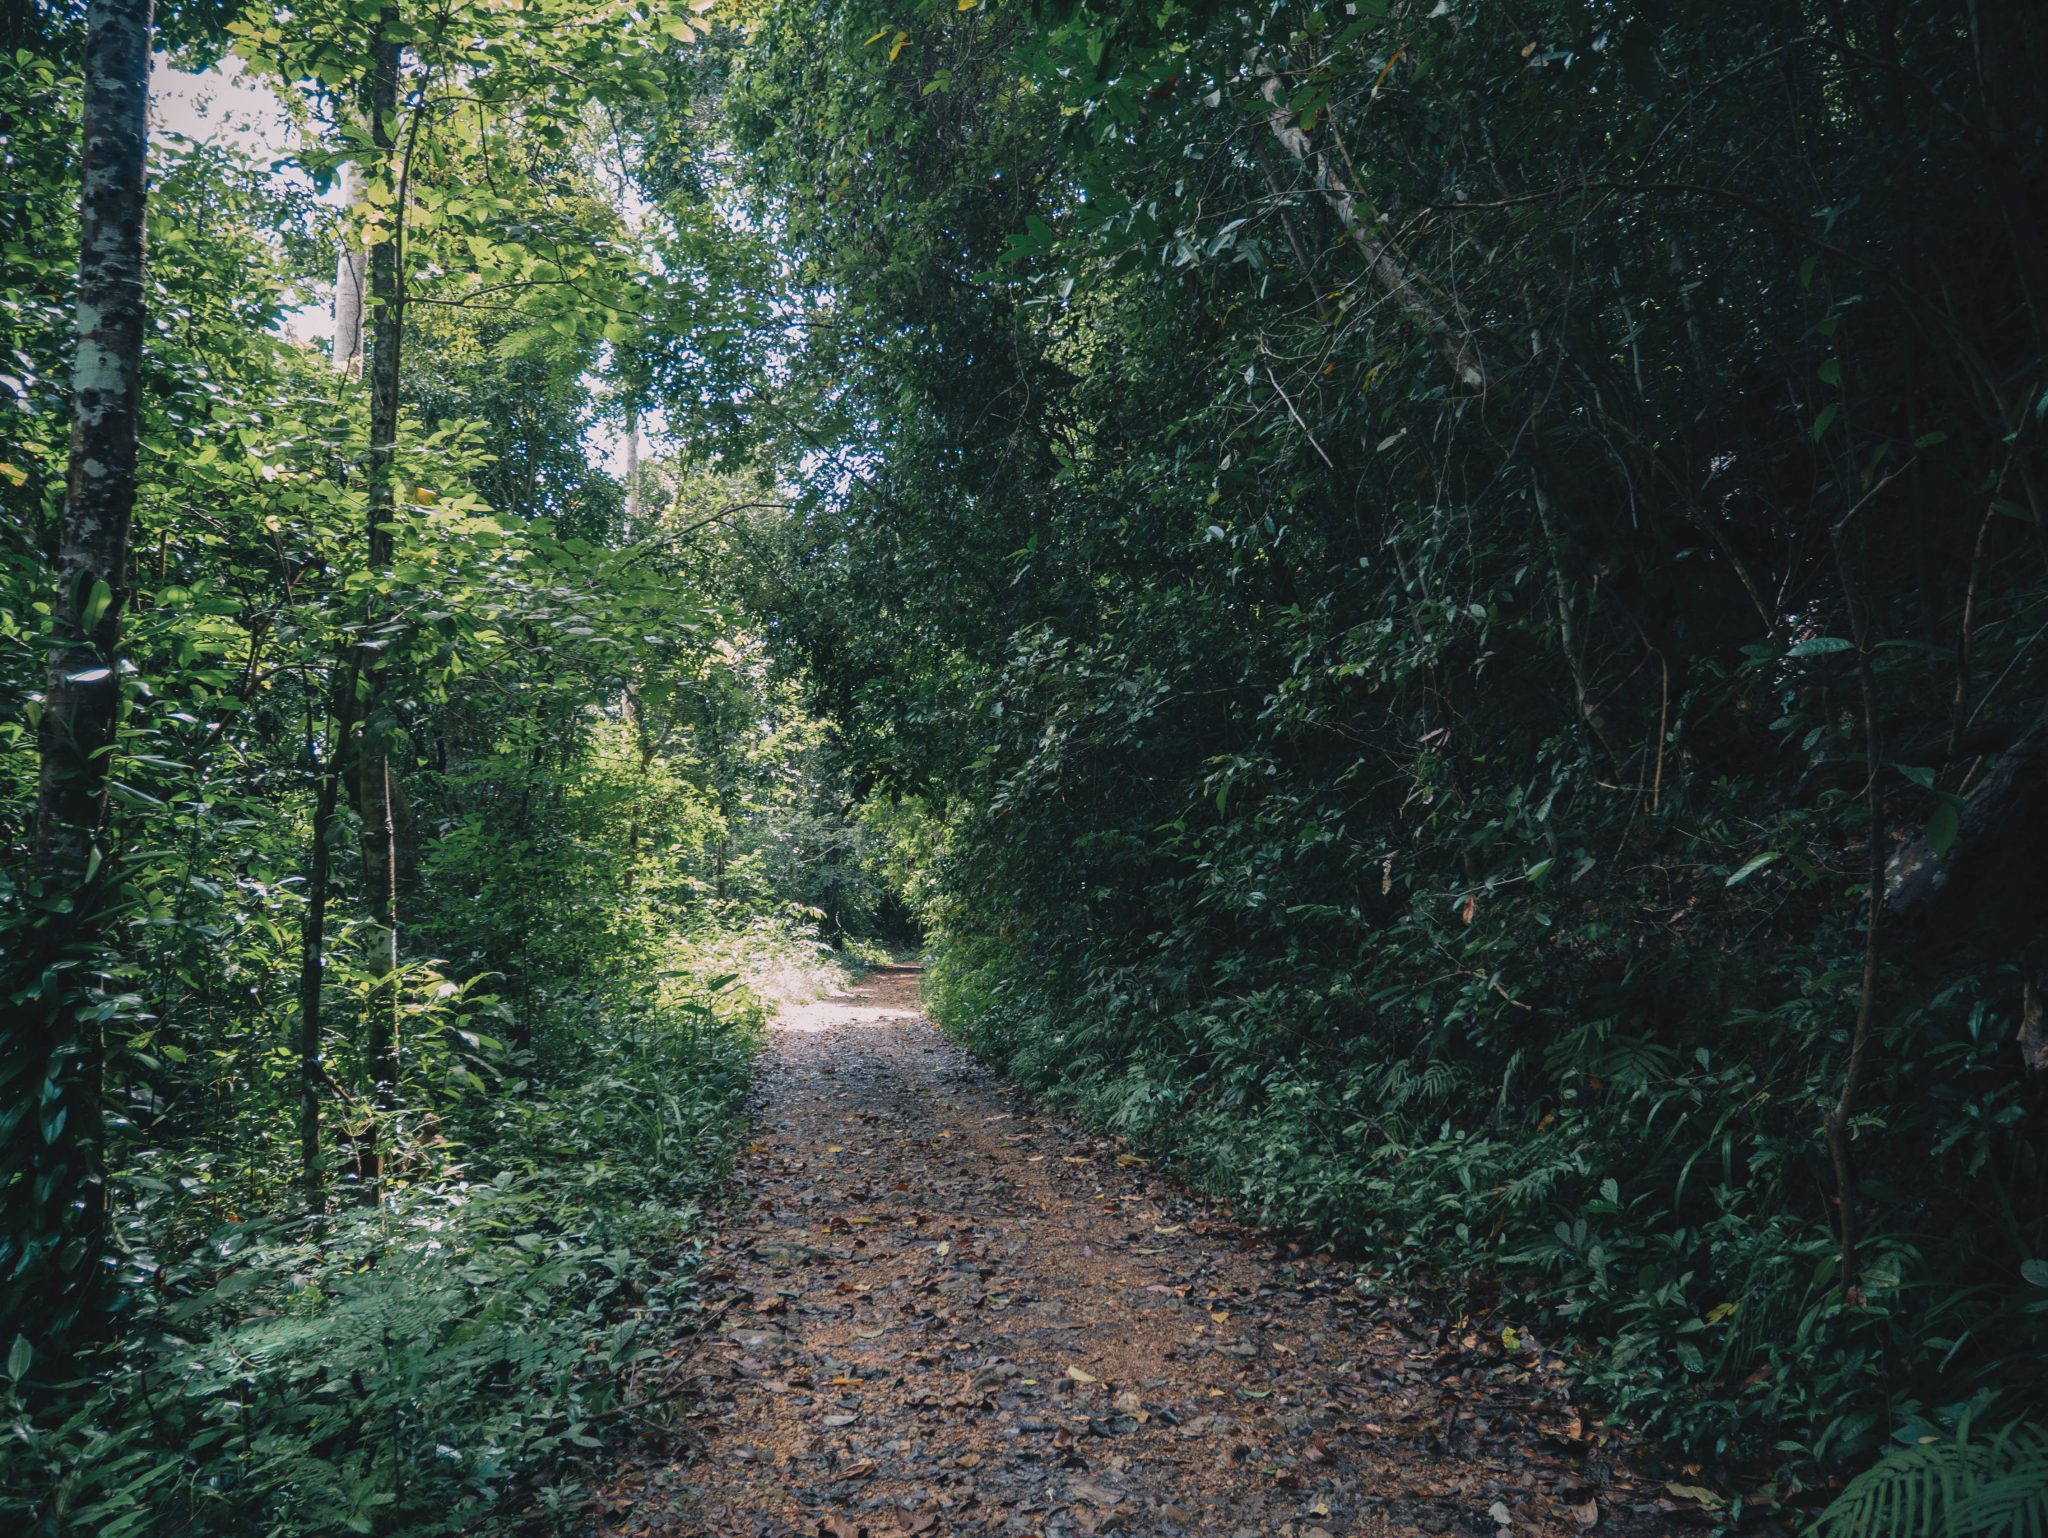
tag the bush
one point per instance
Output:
(415, 1367)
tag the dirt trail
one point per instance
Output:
(948, 1313)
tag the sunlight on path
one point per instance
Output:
(844, 1009)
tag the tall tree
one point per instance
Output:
(54, 1180)
(377, 790)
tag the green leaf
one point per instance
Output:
(1821, 646)
(21, 1354)
(97, 603)
(1941, 829)
(1821, 423)
(1754, 864)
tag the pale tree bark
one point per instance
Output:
(349, 277)
(1438, 320)
(54, 1179)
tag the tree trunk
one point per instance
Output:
(632, 472)
(1390, 275)
(313, 941)
(348, 282)
(54, 1175)
(375, 776)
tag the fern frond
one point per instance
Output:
(1982, 1488)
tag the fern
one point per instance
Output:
(1994, 1487)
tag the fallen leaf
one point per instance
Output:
(1585, 1515)
(1703, 1496)
(1094, 1494)
(1080, 1376)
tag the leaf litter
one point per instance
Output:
(934, 1308)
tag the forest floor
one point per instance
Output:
(941, 1310)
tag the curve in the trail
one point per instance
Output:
(946, 1312)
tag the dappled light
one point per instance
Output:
(835, 1013)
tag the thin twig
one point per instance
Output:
(1297, 419)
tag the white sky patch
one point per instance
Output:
(222, 106)
(226, 107)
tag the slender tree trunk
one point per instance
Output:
(1835, 1124)
(313, 940)
(349, 276)
(83, 690)
(632, 705)
(53, 1176)
(374, 773)
(1438, 320)
(1569, 639)
(632, 471)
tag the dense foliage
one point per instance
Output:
(1436, 610)
(331, 1301)
(1420, 555)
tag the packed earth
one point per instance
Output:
(942, 1310)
